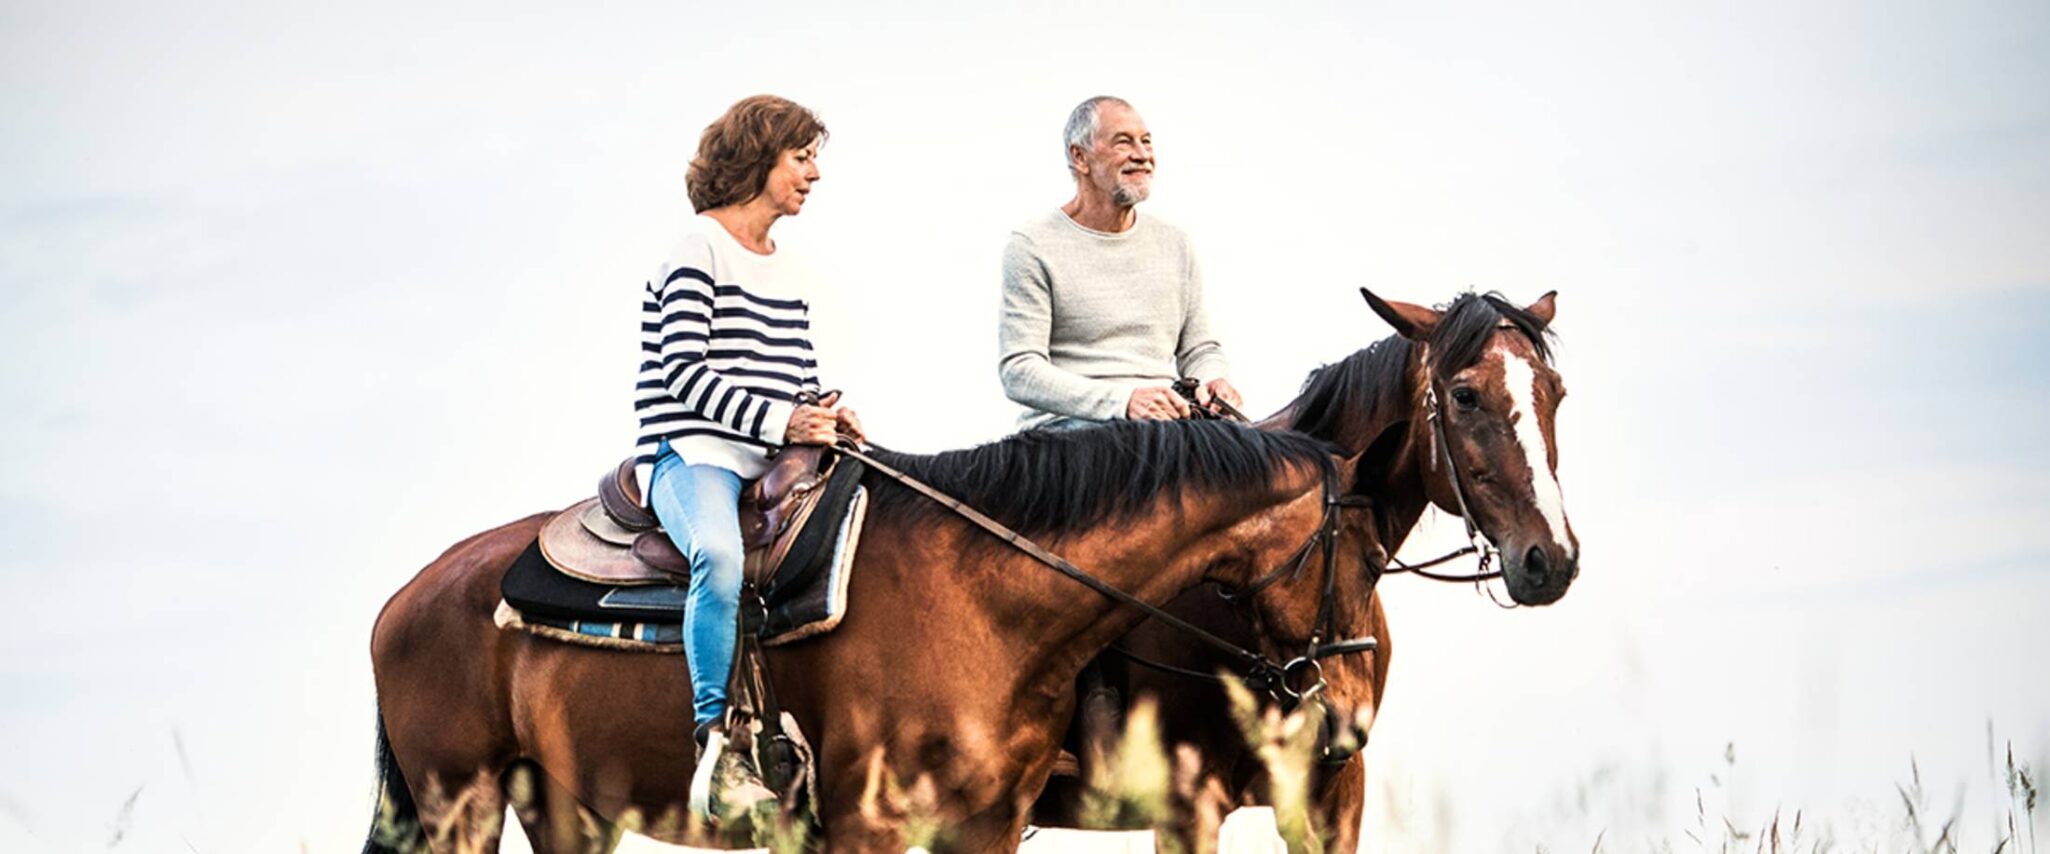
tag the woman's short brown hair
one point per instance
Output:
(737, 151)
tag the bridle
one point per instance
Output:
(1476, 542)
(1289, 683)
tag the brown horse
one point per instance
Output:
(950, 675)
(1482, 366)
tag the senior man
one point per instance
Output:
(1103, 308)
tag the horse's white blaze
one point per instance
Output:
(1551, 501)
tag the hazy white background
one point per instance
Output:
(294, 295)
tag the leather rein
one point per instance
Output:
(1279, 679)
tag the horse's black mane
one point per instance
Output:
(1379, 371)
(1050, 483)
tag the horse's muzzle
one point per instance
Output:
(1338, 737)
(1540, 574)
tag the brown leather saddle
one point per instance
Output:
(612, 538)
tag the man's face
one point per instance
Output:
(1120, 162)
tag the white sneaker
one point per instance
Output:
(701, 777)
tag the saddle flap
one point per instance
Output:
(811, 523)
(600, 522)
(569, 542)
(773, 501)
(656, 549)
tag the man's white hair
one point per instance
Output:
(1081, 129)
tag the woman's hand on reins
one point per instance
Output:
(810, 425)
(849, 424)
(844, 419)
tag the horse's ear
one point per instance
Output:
(1413, 322)
(1545, 307)
(1346, 463)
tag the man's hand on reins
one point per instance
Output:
(1158, 403)
(1214, 399)
(1219, 389)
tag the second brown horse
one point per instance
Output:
(1455, 410)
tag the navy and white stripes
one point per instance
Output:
(725, 349)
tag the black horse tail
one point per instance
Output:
(395, 827)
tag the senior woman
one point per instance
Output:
(726, 355)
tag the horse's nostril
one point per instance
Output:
(1535, 563)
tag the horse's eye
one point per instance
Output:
(1465, 397)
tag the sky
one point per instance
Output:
(292, 296)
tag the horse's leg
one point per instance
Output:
(948, 774)
(1196, 804)
(1182, 831)
(1000, 832)
(854, 832)
(1024, 756)
(438, 659)
(455, 762)
(1340, 806)
(608, 737)
(1345, 801)
(464, 817)
(1341, 800)
(556, 822)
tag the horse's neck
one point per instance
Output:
(1062, 624)
(1399, 502)
(1393, 464)
(1173, 551)
(1399, 489)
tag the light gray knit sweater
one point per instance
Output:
(1090, 315)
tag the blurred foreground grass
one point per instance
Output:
(1133, 787)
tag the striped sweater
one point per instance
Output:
(725, 349)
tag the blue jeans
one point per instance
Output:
(700, 508)
(1064, 424)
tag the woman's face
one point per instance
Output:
(791, 179)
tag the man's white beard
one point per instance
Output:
(1128, 195)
